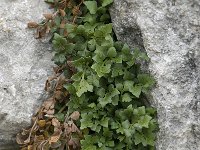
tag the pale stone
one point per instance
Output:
(169, 31)
(25, 64)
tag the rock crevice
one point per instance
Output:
(170, 33)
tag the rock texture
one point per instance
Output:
(25, 64)
(169, 31)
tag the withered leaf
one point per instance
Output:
(49, 104)
(38, 138)
(55, 122)
(62, 12)
(71, 128)
(76, 10)
(30, 147)
(75, 115)
(55, 137)
(25, 132)
(43, 145)
(32, 25)
(41, 123)
(65, 33)
(62, 25)
(56, 144)
(20, 139)
(48, 16)
(47, 29)
(74, 143)
(50, 111)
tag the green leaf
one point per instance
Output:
(139, 138)
(119, 86)
(83, 87)
(103, 31)
(86, 120)
(108, 97)
(59, 58)
(57, 20)
(114, 125)
(146, 80)
(141, 110)
(93, 79)
(105, 17)
(90, 18)
(144, 121)
(127, 132)
(115, 100)
(106, 2)
(110, 143)
(117, 70)
(104, 122)
(101, 68)
(126, 124)
(91, 6)
(77, 76)
(70, 27)
(60, 116)
(92, 45)
(100, 92)
(126, 97)
(111, 52)
(136, 90)
(126, 49)
(128, 85)
(61, 45)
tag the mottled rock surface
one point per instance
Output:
(169, 31)
(25, 64)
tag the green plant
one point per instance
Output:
(106, 84)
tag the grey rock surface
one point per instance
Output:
(25, 64)
(169, 31)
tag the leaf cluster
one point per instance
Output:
(103, 80)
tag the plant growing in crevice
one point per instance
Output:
(98, 98)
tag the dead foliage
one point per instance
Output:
(47, 132)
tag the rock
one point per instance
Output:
(25, 64)
(169, 31)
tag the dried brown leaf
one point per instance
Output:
(75, 115)
(49, 112)
(37, 35)
(74, 143)
(56, 145)
(41, 123)
(32, 25)
(30, 147)
(43, 145)
(49, 104)
(55, 122)
(48, 16)
(62, 12)
(25, 132)
(58, 94)
(39, 138)
(76, 10)
(55, 137)
(20, 139)
(65, 33)
(48, 29)
(62, 25)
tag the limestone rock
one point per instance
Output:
(169, 31)
(25, 64)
